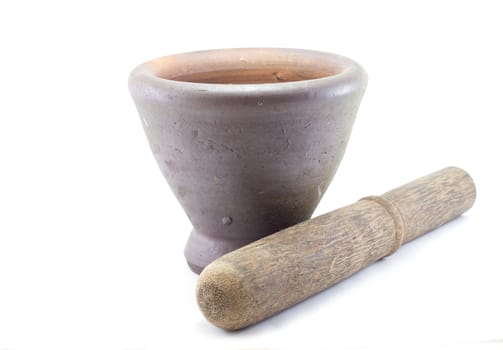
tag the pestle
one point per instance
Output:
(264, 277)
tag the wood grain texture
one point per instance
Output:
(280, 270)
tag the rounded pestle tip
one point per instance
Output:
(221, 296)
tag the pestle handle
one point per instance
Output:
(280, 270)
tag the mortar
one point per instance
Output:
(247, 139)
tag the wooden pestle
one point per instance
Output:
(280, 270)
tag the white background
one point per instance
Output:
(91, 237)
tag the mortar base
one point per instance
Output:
(201, 249)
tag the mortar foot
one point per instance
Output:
(201, 249)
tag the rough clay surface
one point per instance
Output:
(246, 160)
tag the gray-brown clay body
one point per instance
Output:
(248, 139)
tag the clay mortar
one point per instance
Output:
(248, 139)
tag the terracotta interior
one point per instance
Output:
(247, 66)
(255, 75)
